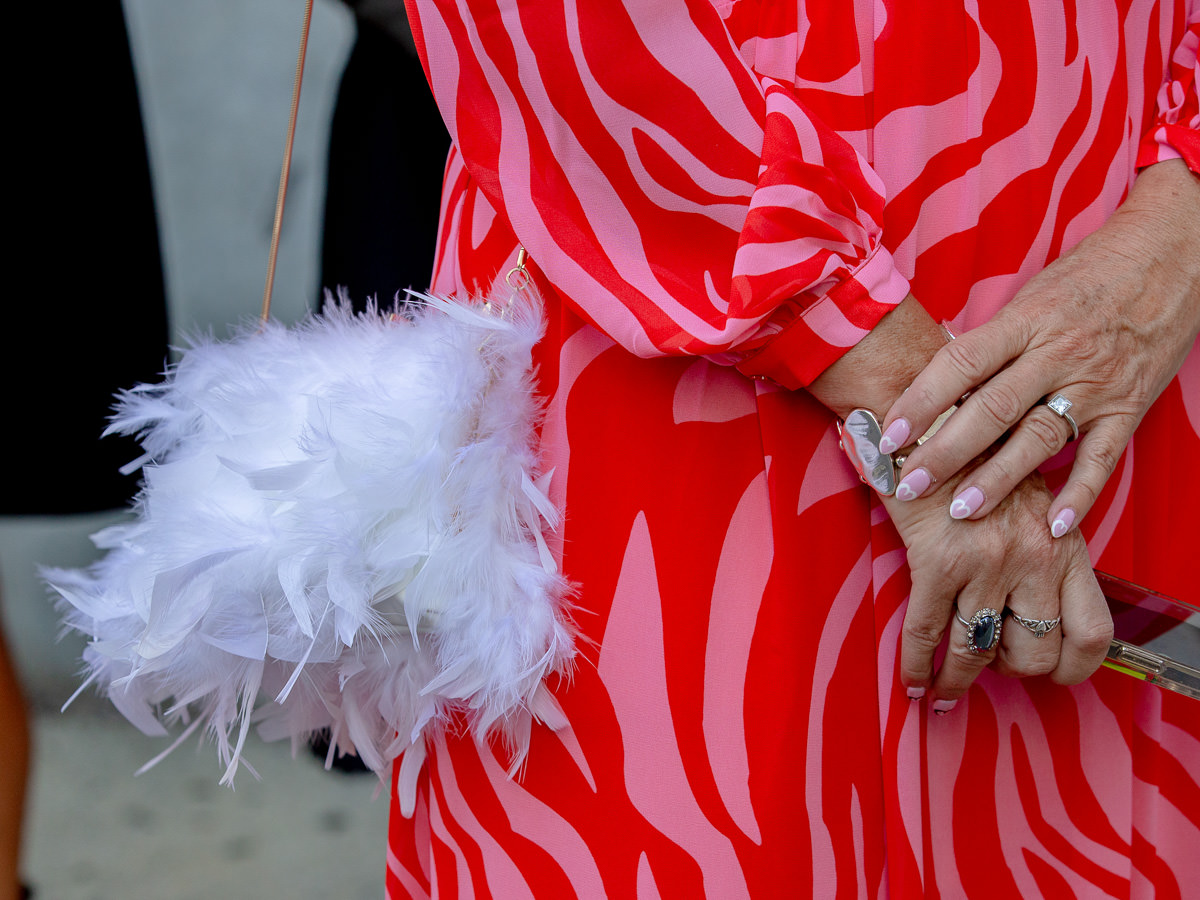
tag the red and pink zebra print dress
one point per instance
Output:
(711, 189)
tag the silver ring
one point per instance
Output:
(1061, 405)
(983, 629)
(1039, 627)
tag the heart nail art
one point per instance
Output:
(1061, 524)
(966, 503)
(895, 436)
(913, 485)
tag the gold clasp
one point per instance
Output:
(518, 277)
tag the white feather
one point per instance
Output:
(345, 518)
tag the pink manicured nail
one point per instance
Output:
(1063, 522)
(913, 485)
(895, 437)
(941, 707)
(966, 503)
(916, 693)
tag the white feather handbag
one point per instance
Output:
(345, 519)
(345, 516)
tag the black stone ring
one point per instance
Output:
(983, 629)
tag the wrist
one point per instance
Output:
(1160, 219)
(877, 370)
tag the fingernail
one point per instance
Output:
(941, 707)
(895, 437)
(966, 503)
(1063, 522)
(916, 693)
(912, 485)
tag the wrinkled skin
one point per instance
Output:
(1108, 325)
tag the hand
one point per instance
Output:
(1107, 326)
(1004, 559)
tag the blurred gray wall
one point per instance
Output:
(215, 78)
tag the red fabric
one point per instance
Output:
(1176, 131)
(704, 189)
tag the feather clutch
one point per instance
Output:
(346, 518)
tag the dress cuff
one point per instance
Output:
(1170, 142)
(830, 326)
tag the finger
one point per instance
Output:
(958, 367)
(925, 623)
(1087, 626)
(1039, 436)
(1097, 458)
(1032, 639)
(962, 664)
(981, 420)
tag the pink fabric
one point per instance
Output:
(711, 191)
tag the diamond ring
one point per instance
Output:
(1039, 627)
(983, 629)
(1061, 405)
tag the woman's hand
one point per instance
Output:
(1106, 326)
(1007, 559)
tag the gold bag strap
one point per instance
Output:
(287, 161)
